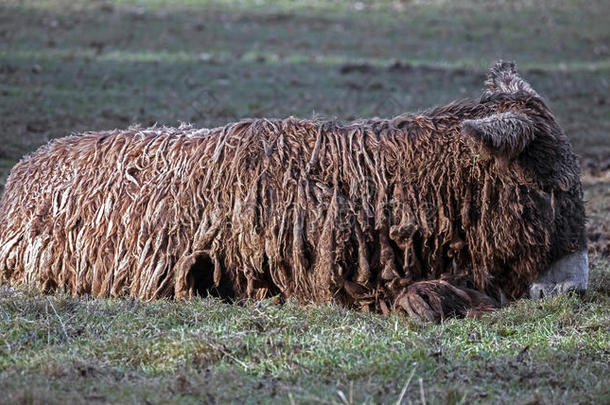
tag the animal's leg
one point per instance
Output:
(436, 300)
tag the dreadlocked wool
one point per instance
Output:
(445, 212)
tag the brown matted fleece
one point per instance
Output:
(446, 212)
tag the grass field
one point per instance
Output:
(68, 66)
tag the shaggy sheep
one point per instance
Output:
(448, 212)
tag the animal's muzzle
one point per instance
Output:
(568, 274)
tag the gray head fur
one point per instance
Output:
(503, 78)
(508, 132)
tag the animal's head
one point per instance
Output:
(518, 126)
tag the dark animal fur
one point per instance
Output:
(440, 213)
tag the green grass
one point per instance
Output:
(554, 351)
(68, 66)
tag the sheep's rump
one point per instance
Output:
(297, 208)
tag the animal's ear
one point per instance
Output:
(503, 78)
(507, 133)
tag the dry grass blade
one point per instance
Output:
(422, 394)
(61, 322)
(406, 386)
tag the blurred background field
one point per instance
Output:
(70, 66)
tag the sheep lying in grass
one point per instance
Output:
(449, 212)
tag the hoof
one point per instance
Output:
(433, 301)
